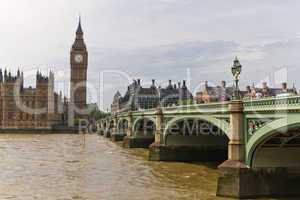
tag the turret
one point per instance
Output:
(1, 76)
(40, 79)
(170, 86)
(179, 85)
(5, 75)
(153, 83)
(22, 79)
(51, 78)
(184, 84)
(37, 75)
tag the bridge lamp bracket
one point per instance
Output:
(236, 70)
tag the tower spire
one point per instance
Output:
(79, 41)
(79, 28)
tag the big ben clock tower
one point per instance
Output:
(79, 63)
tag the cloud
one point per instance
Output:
(161, 39)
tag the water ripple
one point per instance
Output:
(60, 167)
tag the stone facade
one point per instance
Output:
(138, 97)
(224, 93)
(265, 91)
(214, 93)
(30, 108)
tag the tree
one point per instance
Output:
(98, 114)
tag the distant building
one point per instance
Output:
(139, 98)
(214, 93)
(265, 91)
(224, 93)
(174, 94)
(22, 107)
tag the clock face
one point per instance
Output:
(78, 58)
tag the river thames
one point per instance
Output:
(60, 167)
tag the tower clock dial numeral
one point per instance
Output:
(78, 58)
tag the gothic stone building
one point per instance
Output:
(41, 107)
(138, 97)
(24, 108)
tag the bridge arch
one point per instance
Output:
(111, 124)
(222, 125)
(104, 124)
(147, 124)
(122, 126)
(122, 123)
(264, 147)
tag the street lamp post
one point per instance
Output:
(236, 71)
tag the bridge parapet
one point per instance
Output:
(265, 104)
(273, 104)
(221, 107)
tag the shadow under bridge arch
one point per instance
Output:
(198, 130)
(122, 126)
(144, 127)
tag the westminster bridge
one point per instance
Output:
(258, 141)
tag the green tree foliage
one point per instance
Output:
(97, 114)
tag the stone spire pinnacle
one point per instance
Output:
(79, 28)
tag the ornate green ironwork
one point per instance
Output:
(254, 124)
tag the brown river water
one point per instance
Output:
(60, 167)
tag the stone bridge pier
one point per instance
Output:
(182, 139)
(240, 180)
(140, 133)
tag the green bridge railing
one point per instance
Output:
(262, 104)
(273, 104)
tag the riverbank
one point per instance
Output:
(53, 130)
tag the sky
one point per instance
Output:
(153, 39)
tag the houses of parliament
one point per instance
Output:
(41, 107)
